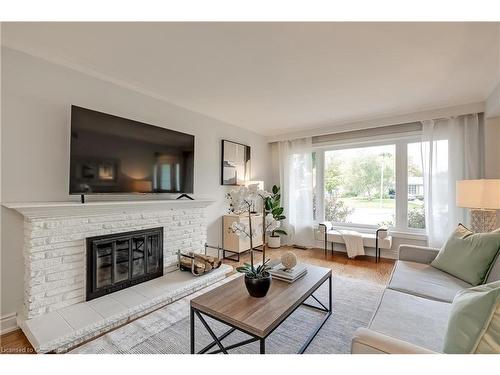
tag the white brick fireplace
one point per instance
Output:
(55, 233)
(55, 248)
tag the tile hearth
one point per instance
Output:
(63, 329)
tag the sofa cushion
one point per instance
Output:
(474, 323)
(425, 281)
(494, 272)
(369, 239)
(468, 255)
(410, 318)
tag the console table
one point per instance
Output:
(231, 242)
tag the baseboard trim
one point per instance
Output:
(8, 323)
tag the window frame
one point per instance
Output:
(401, 175)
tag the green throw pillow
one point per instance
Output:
(474, 323)
(468, 256)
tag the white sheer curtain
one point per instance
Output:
(451, 150)
(295, 166)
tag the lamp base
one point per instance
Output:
(483, 221)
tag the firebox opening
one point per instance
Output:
(118, 261)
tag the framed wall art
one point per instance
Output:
(235, 163)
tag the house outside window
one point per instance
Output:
(358, 183)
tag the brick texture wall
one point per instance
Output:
(54, 249)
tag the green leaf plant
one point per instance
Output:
(273, 205)
(252, 272)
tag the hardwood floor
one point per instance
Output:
(362, 267)
(15, 343)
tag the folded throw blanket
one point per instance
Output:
(353, 243)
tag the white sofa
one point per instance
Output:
(413, 312)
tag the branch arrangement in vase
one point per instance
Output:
(241, 202)
(257, 279)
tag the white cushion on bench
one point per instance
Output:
(368, 239)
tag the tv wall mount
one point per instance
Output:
(184, 195)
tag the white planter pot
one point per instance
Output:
(274, 242)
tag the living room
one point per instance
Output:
(250, 187)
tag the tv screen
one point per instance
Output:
(111, 154)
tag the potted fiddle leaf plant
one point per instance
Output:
(273, 206)
(257, 278)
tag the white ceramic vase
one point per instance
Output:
(274, 242)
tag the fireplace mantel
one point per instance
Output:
(34, 210)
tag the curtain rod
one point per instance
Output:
(435, 114)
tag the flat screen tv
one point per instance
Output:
(111, 154)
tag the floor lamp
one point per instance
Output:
(483, 198)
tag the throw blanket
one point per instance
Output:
(353, 243)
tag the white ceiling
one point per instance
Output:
(276, 78)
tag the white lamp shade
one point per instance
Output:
(478, 194)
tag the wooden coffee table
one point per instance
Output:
(258, 317)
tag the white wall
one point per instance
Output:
(492, 151)
(491, 145)
(36, 100)
(493, 103)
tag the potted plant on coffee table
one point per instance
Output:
(273, 206)
(257, 279)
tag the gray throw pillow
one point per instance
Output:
(467, 255)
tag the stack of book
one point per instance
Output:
(279, 272)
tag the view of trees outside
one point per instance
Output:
(416, 210)
(360, 185)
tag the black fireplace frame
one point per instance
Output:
(91, 291)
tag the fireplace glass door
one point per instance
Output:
(139, 256)
(154, 256)
(122, 261)
(118, 261)
(103, 253)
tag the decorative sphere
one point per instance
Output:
(289, 260)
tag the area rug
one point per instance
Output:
(166, 331)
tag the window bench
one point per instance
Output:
(376, 240)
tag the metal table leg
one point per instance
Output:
(192, 330)
(214, 337)
(330, 294)
(325, 318)
(213, 343)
